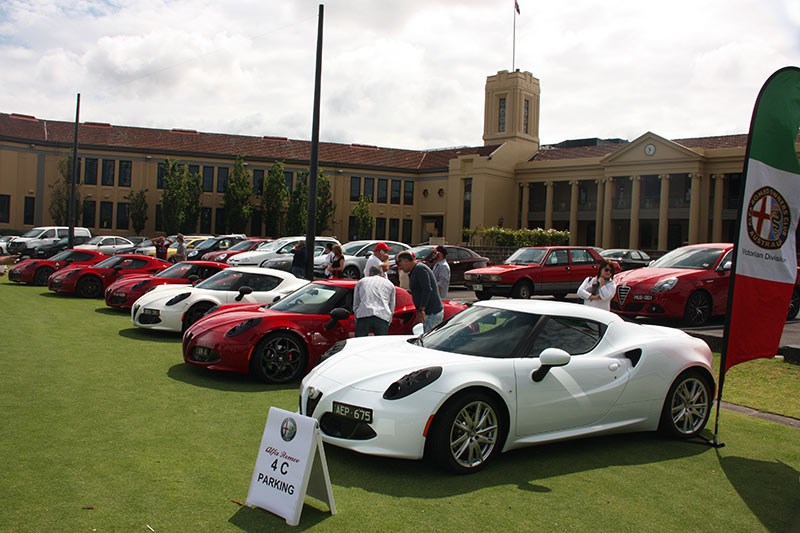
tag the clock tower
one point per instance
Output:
(511, 111)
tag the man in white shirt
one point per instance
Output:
(379, 258)
(373, 303)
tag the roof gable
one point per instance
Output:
(650, 146)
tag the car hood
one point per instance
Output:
(500, 269)
(650, 275)
(229, 318)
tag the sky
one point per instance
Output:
(395, 73)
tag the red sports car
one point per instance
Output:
(283, 342)
(689, 283)
(91, 281)
(556, 270)
(244, 246)
(36, 271)
(123, 292)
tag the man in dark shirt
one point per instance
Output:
(424, 292)
(299, 260)
(161, 246)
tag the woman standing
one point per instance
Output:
(598, 290)
(337, 263)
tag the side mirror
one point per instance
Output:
(418, 329)
(337, 314)
(193, 279)
(726, 266)
(549, 358)
(244, 291)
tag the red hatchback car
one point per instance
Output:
(282, 342)
(689, 283)
(36, 271)
(123, 292)
(91, 281)
(555, 270)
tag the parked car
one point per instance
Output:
(37, 271)
(274, 249)
(28, 241)
(170, 308)
(244, 246)
(627, 259)
(284, 261)
(281, 342)
(125, 291)
(459, 258)
(4, 242)
(147, 247)
(689, 283)
(190, 242)
(213, 244)
(91, 281)
(108, 244)
(506, 374)
(43, 251)
(356, 254)
(554, 270)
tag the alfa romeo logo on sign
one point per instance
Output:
(768, 219)
(288, 429)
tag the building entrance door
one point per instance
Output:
(432, 226)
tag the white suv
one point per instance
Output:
(25, 243)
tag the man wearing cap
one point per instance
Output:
(379, 258)
(441, 270)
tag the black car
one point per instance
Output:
(49, 250)
(627, 259)
(212, 245)
(459, 258)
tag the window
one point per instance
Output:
(219, 220)
(208, 179)
(369, 189)
(106, 212)
(380, 228)
(573, 335)
(466, 219)
(162, 171)
(558, 257)
(501, 115)
(383, 189)
(255, 223)
(581, 257)
(258, 183)
(109, 167)
(288, 176)
(29, 208)
(89, 213)
(408, 192)
(355, 188)
(351, 229)
(5, 207)
(222, 179)
(396, 191)
(122, 215)
(194, 170)
(90, 172)
(159, 218)
(525, 114)
(408, 225)
(205, 220)
(394, 229)
(125, 173)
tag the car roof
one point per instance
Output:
(550, 307)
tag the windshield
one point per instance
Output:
(31, 233)
(95, 240)
(422, 252)
(179, 270)
(526, 256)
(690, 258)
(224, 280)
(270, 246)
(315, 299)
(241, 246)
(61, 256)
(483, 331)
(206, 244)
(111, 262)
(613, 254)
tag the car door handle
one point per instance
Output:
(613, 367)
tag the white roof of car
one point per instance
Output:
(550, 307)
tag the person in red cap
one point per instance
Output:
(379, 258)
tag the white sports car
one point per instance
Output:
(506, 374)
(176, 307)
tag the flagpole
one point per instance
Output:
(514, 40)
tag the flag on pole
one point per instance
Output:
(764, 261)
(516, 7)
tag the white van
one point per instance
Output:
(25, 243)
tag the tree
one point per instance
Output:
(180, 199)
(237, 197)
(325, 205)
(59, 196)
(138, 209)
(297, 217)
(194, 190)
(364, 220)
(273, 201)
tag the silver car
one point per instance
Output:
(356, 254)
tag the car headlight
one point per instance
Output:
(664, 285)
(178, 298)
(469, 276)
(411, 383)
(493, 278)
(222, 257)
(241, 327)
(70, 274)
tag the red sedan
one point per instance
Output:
(36, 271)
(123, 292)
(91, 281)
(555, 270)
(283, 342)
(244, 246)
(689, 283)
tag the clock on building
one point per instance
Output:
(649, 149)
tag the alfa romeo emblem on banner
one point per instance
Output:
(288, 429)
(768, 219)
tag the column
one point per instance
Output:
(526, 198)
(548, 205)
(598, 213)
(694, 209)
(633, 236)
(573, 213)
(719, 202)
(608, 205)
(663, 213)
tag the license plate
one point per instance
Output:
(353, 412)
(146, 311)
(642, 297)
(477, 287)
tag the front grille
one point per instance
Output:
(201, 354)
(15, 275)
(54, 284)
(344, 428)
(117, 299)
(622, 294)
(149, 319)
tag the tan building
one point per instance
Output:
(651, 193)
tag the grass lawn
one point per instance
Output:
(103, 428)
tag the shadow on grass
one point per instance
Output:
(224, 381)
(256, 520)
(112, 311)
(768, 488)
(149, 334)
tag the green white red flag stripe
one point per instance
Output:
(764, 261)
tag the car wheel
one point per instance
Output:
(794, 305)
(560, 296)
(483, 295)
(89, 287)
(467, 433)
(698, 309)
(41, 275)
(522, 290)
(687, 406)
(279, 358)
(351, 272)
(194, 314)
